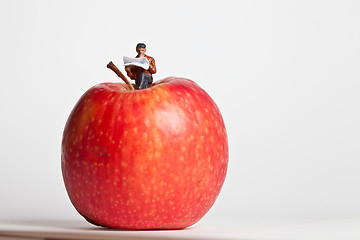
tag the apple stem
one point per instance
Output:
(112, 66)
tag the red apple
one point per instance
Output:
(144, 159)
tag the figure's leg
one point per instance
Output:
(149, 80)
(143, 81)
(140, 81)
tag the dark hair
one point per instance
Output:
(140, 45)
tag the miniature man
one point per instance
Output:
(143, 77)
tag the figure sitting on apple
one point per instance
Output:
(138, 71)
(145, 158)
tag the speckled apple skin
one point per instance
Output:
(145, 159)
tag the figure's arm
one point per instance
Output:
(152, 66)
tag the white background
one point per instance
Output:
(285, 75)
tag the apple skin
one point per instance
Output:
(145, 159)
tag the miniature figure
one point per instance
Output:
(141, 68)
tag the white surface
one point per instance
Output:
(348, 229)
(288, 91)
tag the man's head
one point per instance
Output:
(141, 48)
